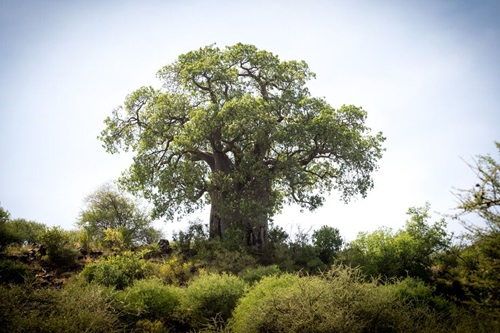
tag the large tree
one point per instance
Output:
(238, 129)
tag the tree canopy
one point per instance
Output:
(107, 210)
(238, 129)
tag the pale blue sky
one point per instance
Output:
(427, 72)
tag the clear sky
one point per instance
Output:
(427, 72)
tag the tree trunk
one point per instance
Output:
(250, 215)
(220, 219)
(244, 205)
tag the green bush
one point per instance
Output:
(255, 274)
(339, 301)
(24, 231)
(327, 241)
(151, 299)
(72, 309)
(14, 272)
(148, 326)
(415, 292)
(211, 296)
(175, 271)
(216, 257)
(18, 230)
(252, 310)
(118, 271)
(60, 249)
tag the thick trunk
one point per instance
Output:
(249, 214)
(243, 205)
(220, 218)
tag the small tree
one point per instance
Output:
(407, 252)
(108, 208)
(60, 250)
(25, 231)
(18, 230)
(328, 242)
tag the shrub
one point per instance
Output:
(327, 241)
(211, 296)
(85, 308)
(252, 310)
(71, 309)
(175, 271)
(215, 256)
(117, 271)
(305, 257)
(13, 272)
(339, 301)
(255, 274)
(24, 231)
(151, 299)
(116, 239)
(231, 262)
(60, 250)
(148, 326)
(192, 240)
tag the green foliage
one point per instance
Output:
(250, 314)
(193, 240)
(14, 272)
(24, 231)
(148, 326)
(109, 209)
(116, 240)
(327, 241)
(339, 301)
(151, 299)
(416, 293)
(238, 129)
(73, 309)
(117, 271)
(4, 215)
(211, 296)
(223, 260)
(60, 250)
(482, 274)
(6, 236)
(408, 252)
(255, 274)
(20, 231)
(175, 271)
(85, 241)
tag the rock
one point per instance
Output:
(83, 252)
(24, 258)
(42, 250)
(95, 254)
(164, 246)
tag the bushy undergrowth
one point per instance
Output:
(82, 308)
(255, 274)
(60, 249)
(14, 272)
(22, 231)
(176, 271)
(339, 301)
(211, 296)
(151, 300)
(118, 271)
